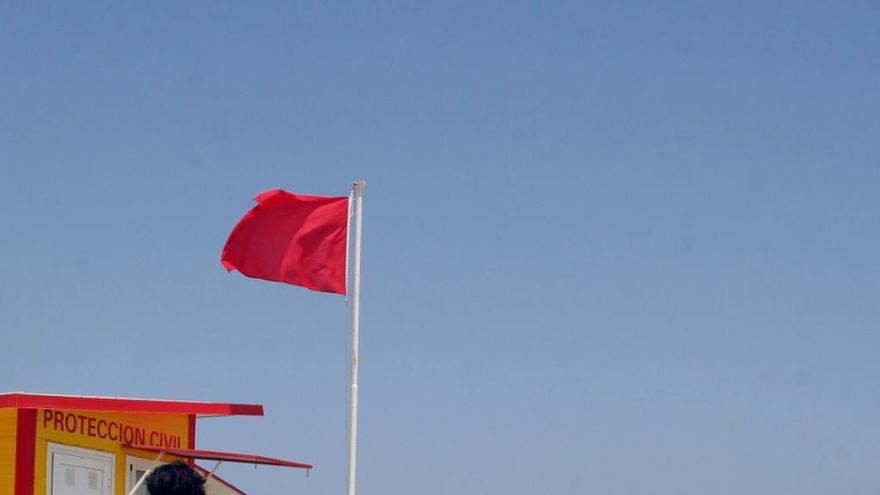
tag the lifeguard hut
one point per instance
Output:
(70, 445)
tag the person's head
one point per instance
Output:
(175, 479)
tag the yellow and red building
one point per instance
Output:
(69, 445)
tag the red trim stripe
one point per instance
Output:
(25, 451)
(38, 401)
(191, 442)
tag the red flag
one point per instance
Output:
(292, 238)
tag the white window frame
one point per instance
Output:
(134, 462)
(52, 448)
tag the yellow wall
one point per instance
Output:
(96, 431)
(8, 423)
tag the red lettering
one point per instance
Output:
(92, 422)
(47, 416)
(140, 436)
(127, 434)
(82, 424)
(102, 424)
(70, 423)
(153, 441)
(171, 440)
(58, 420)
(110, 434)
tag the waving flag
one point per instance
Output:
(292, 238)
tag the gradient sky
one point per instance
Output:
(617, 248)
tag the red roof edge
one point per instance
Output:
(23, 400)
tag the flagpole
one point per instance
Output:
(357, 198)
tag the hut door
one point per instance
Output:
(76, 471)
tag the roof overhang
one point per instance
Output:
(22, 400)
(213, 455)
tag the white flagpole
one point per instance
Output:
(355, 294)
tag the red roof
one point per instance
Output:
(212, 455)
(23, 400)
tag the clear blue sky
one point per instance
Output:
(618, 248)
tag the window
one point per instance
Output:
(136, 467)
(77, 471)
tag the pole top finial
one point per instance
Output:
(360, 183)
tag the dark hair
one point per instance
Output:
(176, 478)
